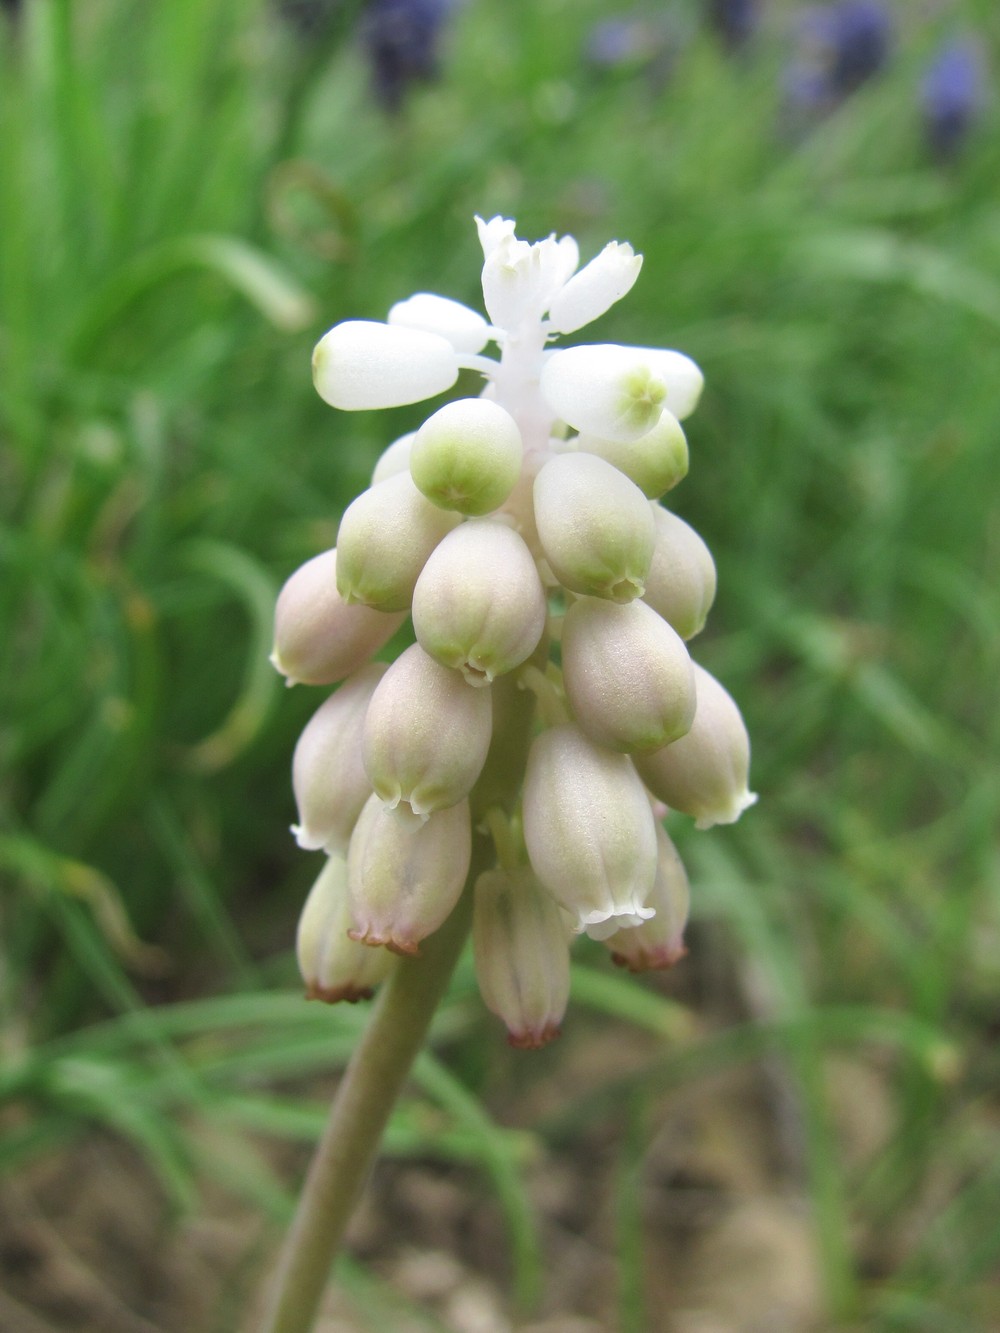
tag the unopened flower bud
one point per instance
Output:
(589, 830)
(705, 773)
(596, 288)
(318, 638)
(363, 364)
(328, 772)
(467, 456)
(628, 676)
(479, 605)
(426, 734)
(385, 537)
(618, 393)
(595, 527)
(465, 329)
(520, 940)
(656, 461)
(658, 942)
(405, 878)
(394, 458)
(681, 580)
(333, 966)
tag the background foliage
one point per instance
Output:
(190, 193)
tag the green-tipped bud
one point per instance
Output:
(404, 878)
(385, 537)
(328, 773)
(658, 942)
(520, 939)
(333, 966)
(705, 773)
(589, 830)
(628, 676)
(362, 364)
(656, 461)
(618, 393)
(479, 605)
(595, 527)
(318, 638)
(681, 580)
(467, 456)
(394, 458)
(426, 734)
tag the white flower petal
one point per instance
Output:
(493, 232)
(465, 329)
(592, 291)
(362, 364)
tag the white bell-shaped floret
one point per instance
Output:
(681, 582)
(628, 676)
(362, 364)
(465, 329)
(658, 942)
(705, 774)
(328, 771)
(618, 393)
(333, 966)
(589, 830)
(520, 938)
(405, 878)
(588, 294)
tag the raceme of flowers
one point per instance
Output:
(549, 699)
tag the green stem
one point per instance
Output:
(361, 1108)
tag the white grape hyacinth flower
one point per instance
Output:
(549, 703)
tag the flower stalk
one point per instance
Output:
(523, 745)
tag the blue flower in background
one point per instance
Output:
(841, 47)
(953, 95)
(734, 20)
(401, 38)
(853, 40)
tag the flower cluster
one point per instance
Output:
(549, 698)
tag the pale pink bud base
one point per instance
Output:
(533, 1039)
(651, 959)
(337, 994)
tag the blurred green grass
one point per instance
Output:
(188, 197)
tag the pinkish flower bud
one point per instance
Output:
(656, 461)
(426, 734)
(658, 942)
(385, 537)
(595, 527)
(328, 774)
(467, 456)
(520, 939)
(681, 580)
(479, 606)
(589, 830)
(404, 878)
(318, 638)
(628, 676)
(704, 774)
(333, 966)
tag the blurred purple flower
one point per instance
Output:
(623, 41)
(401, 38)
(734, 20)
(953, 95)
(853, 40)
(840, 47)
